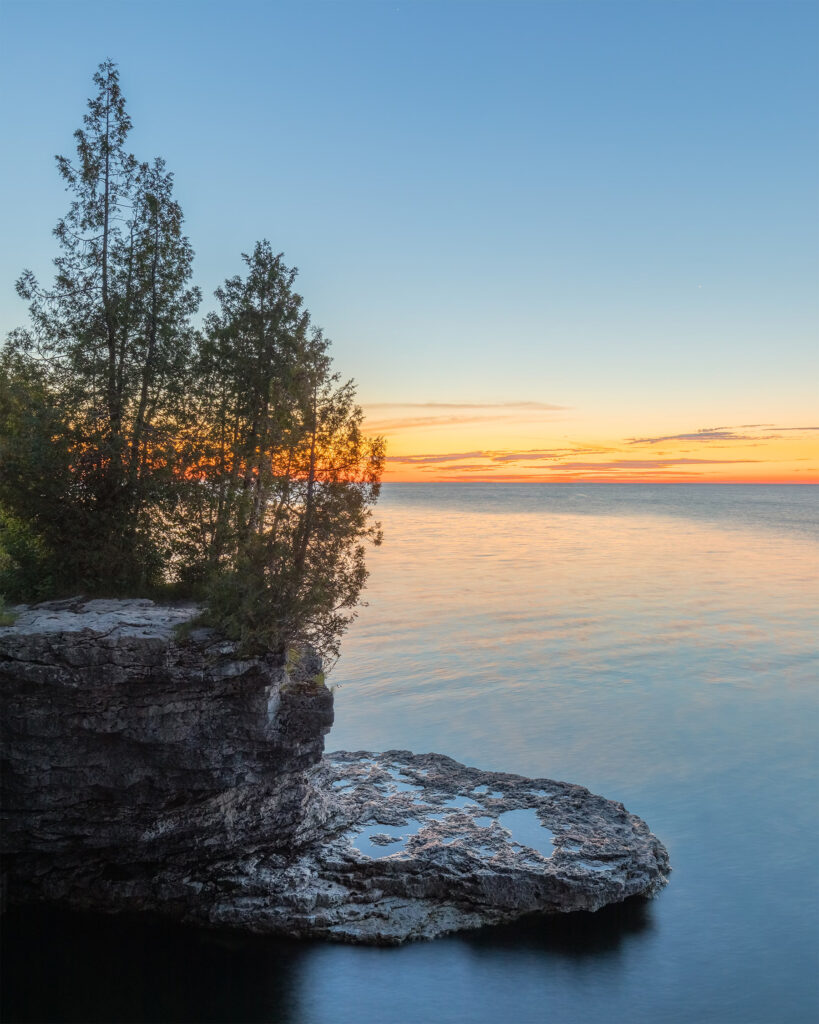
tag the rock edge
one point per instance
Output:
(144, 772)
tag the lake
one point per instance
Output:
(657, 644)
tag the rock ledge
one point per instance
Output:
(144, 772)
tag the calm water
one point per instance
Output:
(656, 644)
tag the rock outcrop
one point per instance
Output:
(148, 770)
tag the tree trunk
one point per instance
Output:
(147, 368)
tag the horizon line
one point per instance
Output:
(635, 483)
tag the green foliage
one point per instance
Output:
(138, 454)
(98, 377)
(183, 630)
(281, 495)
(7, 617)
(27, 567)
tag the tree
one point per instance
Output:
(282, 493)
(138, 453)
(111, 341)
(38, 497)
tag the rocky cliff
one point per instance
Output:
(146, 769)
(123, 745)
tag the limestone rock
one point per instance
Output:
(142, 771)
(419, 845)
(121, 738)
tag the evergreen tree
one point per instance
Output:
(135, 452)
(281, 501)
(110, 342)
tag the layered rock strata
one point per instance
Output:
(148, 770)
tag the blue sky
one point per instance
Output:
(606, 206)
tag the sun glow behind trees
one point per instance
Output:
(138, 452)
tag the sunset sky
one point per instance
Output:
(551, 241)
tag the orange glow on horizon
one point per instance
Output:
(528, 443)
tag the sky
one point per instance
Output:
(552, 241)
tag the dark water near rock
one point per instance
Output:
(656, 644)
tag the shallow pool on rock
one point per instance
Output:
(526, 829)
(363, 840)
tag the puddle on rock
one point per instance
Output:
(363, 840)
(457, 803)
(526, 829)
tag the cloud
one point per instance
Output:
(498, 465)
(499, 456)
(446, 414)
(428, 460)
(410, 422)
(711, 434)
(457, 471)
(544, 406)
(533, 456)
(598, 476)
(630, 464)
(706, 434)
(546, 455)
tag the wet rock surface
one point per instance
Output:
(142, 771)
(419, 845)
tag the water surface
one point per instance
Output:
(656, 644)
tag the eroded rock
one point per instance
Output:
(125, 742)
(418, 845)
(142, 771)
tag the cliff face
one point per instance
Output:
(123, 745)
(146, 772)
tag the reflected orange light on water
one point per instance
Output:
(531, 627)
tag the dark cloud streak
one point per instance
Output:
(547, 406)
(528, 455)
(428, 460)
(707, 434)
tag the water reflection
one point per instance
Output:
(572, 644)
(103, 969)
(573, 936)
(60, 966)
(658, 645)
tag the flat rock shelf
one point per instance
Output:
(151, 769)
(419, 845)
